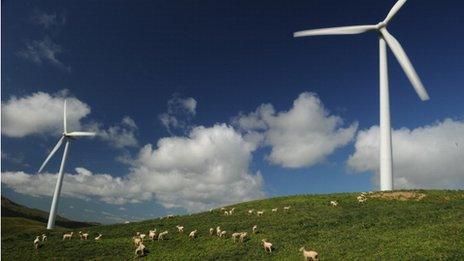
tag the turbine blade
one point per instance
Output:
(57, 146)
(64, 118)
(80, 134)
(405, 63)
(394, 10)
(355, 29)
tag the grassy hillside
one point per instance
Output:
(13, 211)
(423, 225)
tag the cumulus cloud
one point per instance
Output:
(207, 168)
(300, 137)
(43, 51)
(120, 135)
(179, 113)
(425, 157)
(40, 113)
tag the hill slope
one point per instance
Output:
(12, 211)
(404, 225)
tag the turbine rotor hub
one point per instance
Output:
(381, 25)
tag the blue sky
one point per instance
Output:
(129, 59)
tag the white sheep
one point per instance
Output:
(309, 255)
(361, 199)
(142, 236)
(193, 234)
(235, 236)
(152, 234)
(222, 209)
(137, 240)
(231, 211)
(255, 229)
(218, 231)
(260, 213)
(333, 203)
(226, 213)
(37, 242)
(44, 237)
(274, 210)
(83, 236)
(287, 208)
(223, 233)
(211, 231)
(267, 245)
(243, 235)
(162, 234)
(210, 210)
(180, 229)
(67, 235)
(140, 250)
(98, 237)
(250, 211)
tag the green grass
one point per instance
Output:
(429, 229)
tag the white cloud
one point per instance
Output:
(40, 113)
(208, 168)
(300, 137)
(120, 135)
(425, 157)
(48, 20)
(43, 51)
(179, 113)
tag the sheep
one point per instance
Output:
(235, 235)
(309, 255)
(137, 240)
(361, 199)
(250, 211)
(44, 237)
(152, 234)
(180, 229)
(287, 208)
(226, 213)
(142, 236)
(231, 211)
(243, 235)
(222, 209)
(98, 237)
(333, 203)
(83, 236)
(218, 231)
(210, 210)
(274, 210)
(267, 245)
(211, 231)
(67, 235)
(162, 234)
(140, 250)
(170, 216)
(255, 229)
(193, 234)
(260, 213)
(37, 242)
(223, 233)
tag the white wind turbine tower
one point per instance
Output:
(66, 137)
(385, 38)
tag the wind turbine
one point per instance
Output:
(65, 137)
(385, 38)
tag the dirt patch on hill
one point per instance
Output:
(399, 195)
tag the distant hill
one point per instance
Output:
(11, 209)
(401, 225)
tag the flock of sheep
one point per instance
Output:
(139, 238)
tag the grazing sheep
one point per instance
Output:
(152, 234)
(333, 203)
(235, 235)
(83, 236)
(243, 235)
(222, 209)
(255, 229)
(309, 255)
(218, 231)
(44, 237)
(211, 231)
(142, 236)
(223, 233)
(137, 240)
(287, 208)
(180, 229)
(231, 211)
(250, 211)
(193, 234)
(67, 235)
(98, 237)
(267, 245)
(260, 213)
(361, 199)
(37, 242)
(274, 210)
(140, 250)
(162, 234)
(226, 213)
